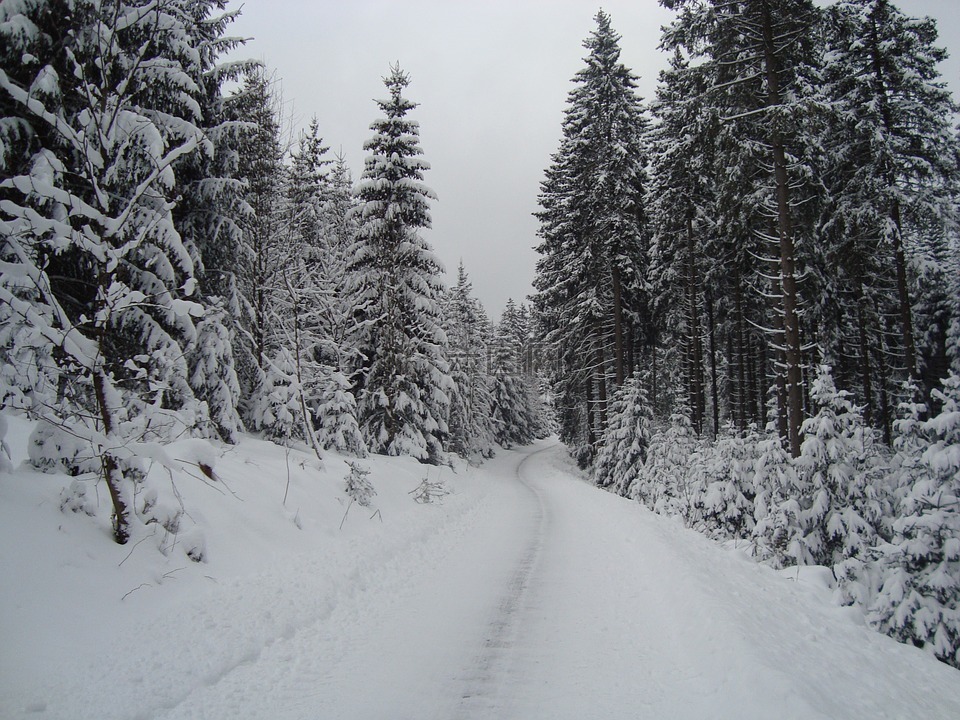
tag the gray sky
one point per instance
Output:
(491, 78)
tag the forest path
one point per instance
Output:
(551, 600)
(525, 594)
(421, 633)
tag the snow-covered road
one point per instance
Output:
(528, 594)
(554, 600)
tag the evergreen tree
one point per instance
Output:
(681, 205)
(776, 510)
(471, 404)
(404, 384)
(516, 414)
(664, 483)
(626, 440)
(843, 498)
(332, 316)
(589, 278)
(919, 599)
(265, 237)
(723, 474)
(208, 213)
(762, 63)
(95, 270)
(213, 378)
(895, 157)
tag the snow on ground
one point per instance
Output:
(524, 593)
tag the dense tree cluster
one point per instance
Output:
(780, 223)
(172, 265)
(747, 301)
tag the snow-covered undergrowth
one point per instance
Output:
(881, 521)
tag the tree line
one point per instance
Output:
(170, 265)
(749, 292)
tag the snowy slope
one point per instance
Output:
(525, 593)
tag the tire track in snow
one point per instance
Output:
(483, 685)
(333, 591)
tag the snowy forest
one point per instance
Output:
(746, 310)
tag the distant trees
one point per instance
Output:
(471, 422)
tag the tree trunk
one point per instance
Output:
(714, 396)
(886, 420)
(903, 296)
(112, 474)
(741, 361)
(696, 347)
(617, 325)
(752, 382)
(601, 377)
(792, 353)
(866, 373)
(591, 412)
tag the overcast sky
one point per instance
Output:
(491, 77)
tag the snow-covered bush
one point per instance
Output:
(627, 437)
(919, 598)
(335, 416)
(357, 485)
(663, 483)
(213, 377)
(277, 411)
(776, 509)
(55, 449)
(722, 475)
(429, 491)
(841, 486)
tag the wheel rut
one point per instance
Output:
(482, 687)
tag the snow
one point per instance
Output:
(522, 593)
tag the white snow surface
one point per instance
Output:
(525, 593)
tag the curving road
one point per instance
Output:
(528, 595)
(554, 600)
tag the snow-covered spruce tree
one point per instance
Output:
(919, 600)
(305, 188)
(681, 205)
(207, 215)
(776, 506)
(624, 450)
(895, 156)
(294, 308)
(663, 483)
(213, 377)
(515, 410)
(953, 332)
(843, 497)
(98, 116)
(471, 403)
(723, 477)
(590, 297)
(277, 405)
(761, 58)
(335, 411)
(403, 385)
(265, 239)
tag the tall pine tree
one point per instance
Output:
(404, 384)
